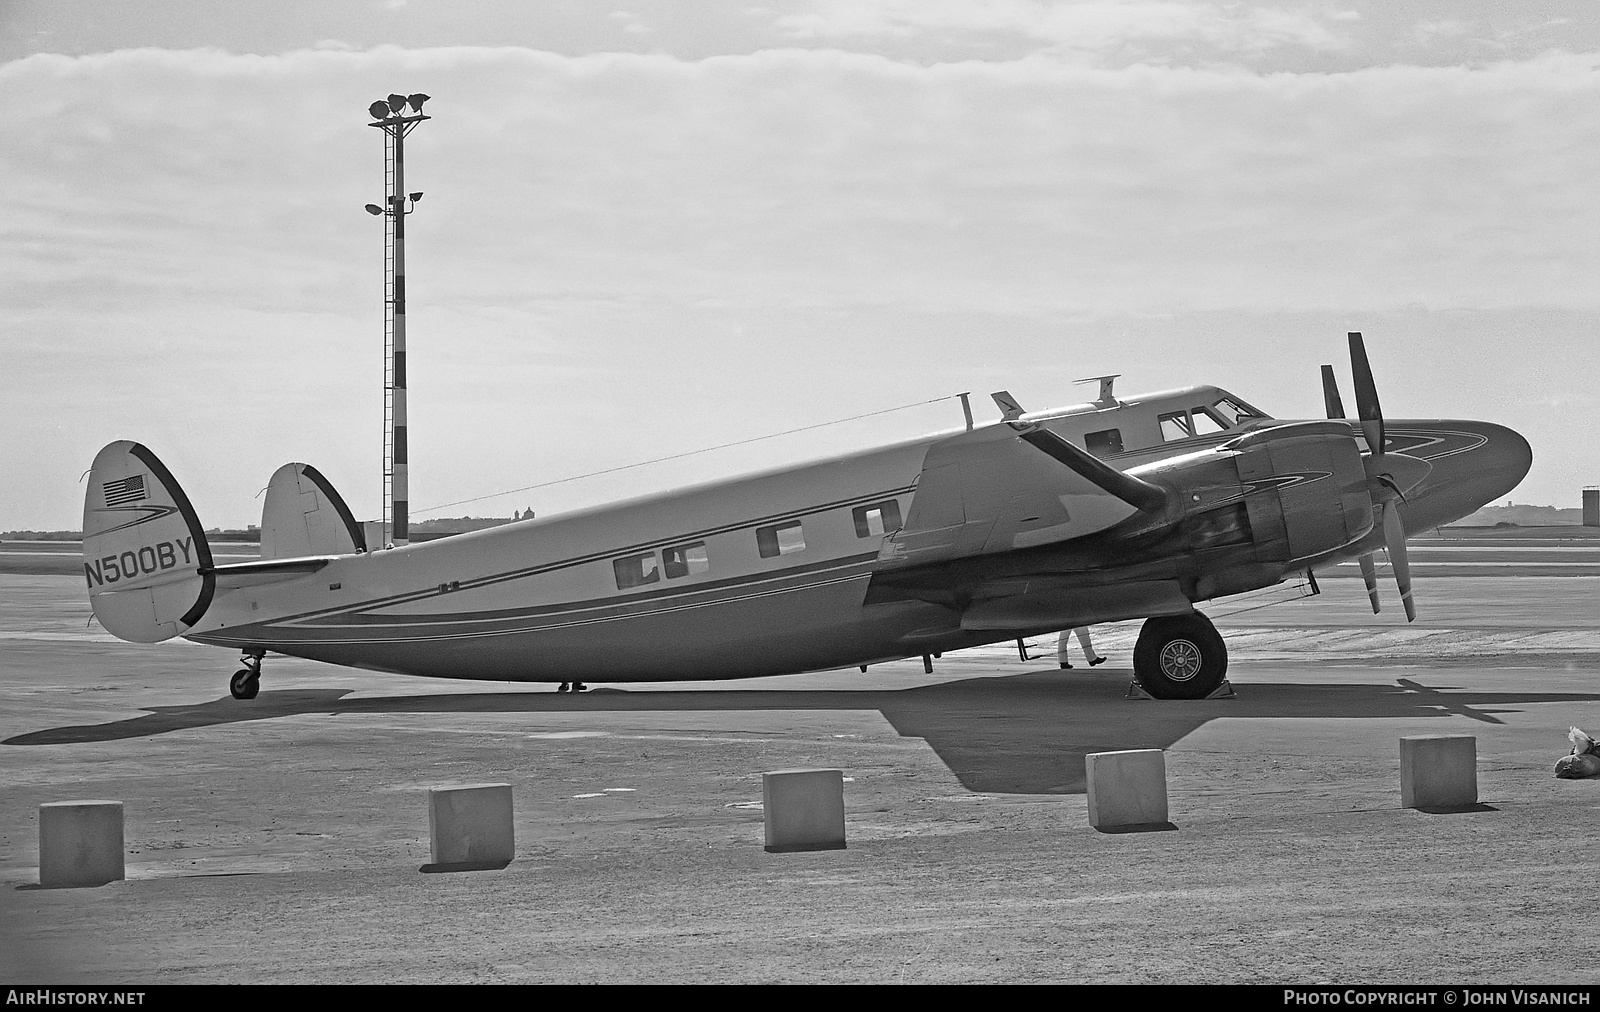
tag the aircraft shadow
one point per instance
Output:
(1019, 734)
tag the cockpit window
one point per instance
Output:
(1175, 426)
(1206, 421)
(1233, 413)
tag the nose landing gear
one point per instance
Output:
(246, 682)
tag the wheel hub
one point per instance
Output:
(1180, 660)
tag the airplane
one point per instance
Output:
(1100, 512)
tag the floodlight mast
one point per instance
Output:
(390, 116)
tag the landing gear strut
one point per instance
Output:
(1180, 657)
(246, 682)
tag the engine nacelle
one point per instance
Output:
(1305, 489)
(1273, 498)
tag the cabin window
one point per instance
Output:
(1103, 444)
(1175, 426)
(780, 539)
(1233, 412)
(876, 520)
(636, 570)
(685, 560)
(1205, 423)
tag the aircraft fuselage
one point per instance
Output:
(774, 573)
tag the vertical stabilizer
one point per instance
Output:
(145, 555)
(303, 515)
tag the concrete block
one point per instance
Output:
(470, 825)
(80, 843)
(804, 809)
(1438, 771)
(1126, 788)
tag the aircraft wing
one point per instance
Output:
(1006, 487)
(235, 575)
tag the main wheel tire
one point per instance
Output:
(244, 684)
(1180, 657)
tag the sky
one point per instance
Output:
(668, 226)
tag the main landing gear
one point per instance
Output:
(1179, 657)
(246, 682)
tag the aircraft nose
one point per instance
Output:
(1508, 455)
(1475, 463)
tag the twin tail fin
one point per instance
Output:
(145, 555)
(304, 515)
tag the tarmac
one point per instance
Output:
(282, 839)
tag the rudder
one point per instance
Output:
(145, 556)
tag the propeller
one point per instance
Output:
(1335, 406)
(1389, 475)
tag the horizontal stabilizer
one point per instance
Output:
(304, 515)
(254, 574)
(145, 556)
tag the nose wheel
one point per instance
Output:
(246, 682)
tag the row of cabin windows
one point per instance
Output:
(679, 560)
(772, 541)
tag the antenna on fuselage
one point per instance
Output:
(1106, 399)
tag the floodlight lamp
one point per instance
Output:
(374, 209)
(378, 110)
(417, 100)
(396, 103)
(416, 196)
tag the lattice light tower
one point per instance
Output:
(390, 115)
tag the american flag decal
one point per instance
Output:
(119, 493)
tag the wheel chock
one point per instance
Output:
(1223, 691)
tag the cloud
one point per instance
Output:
(186, 253)
(1095, 29)
(801, 176)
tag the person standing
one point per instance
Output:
(1084, 641)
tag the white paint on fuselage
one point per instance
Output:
(567, 559)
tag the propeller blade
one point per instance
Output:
(1394, 536)
(1330, 393)
(1367, 408)
(1369, 576)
